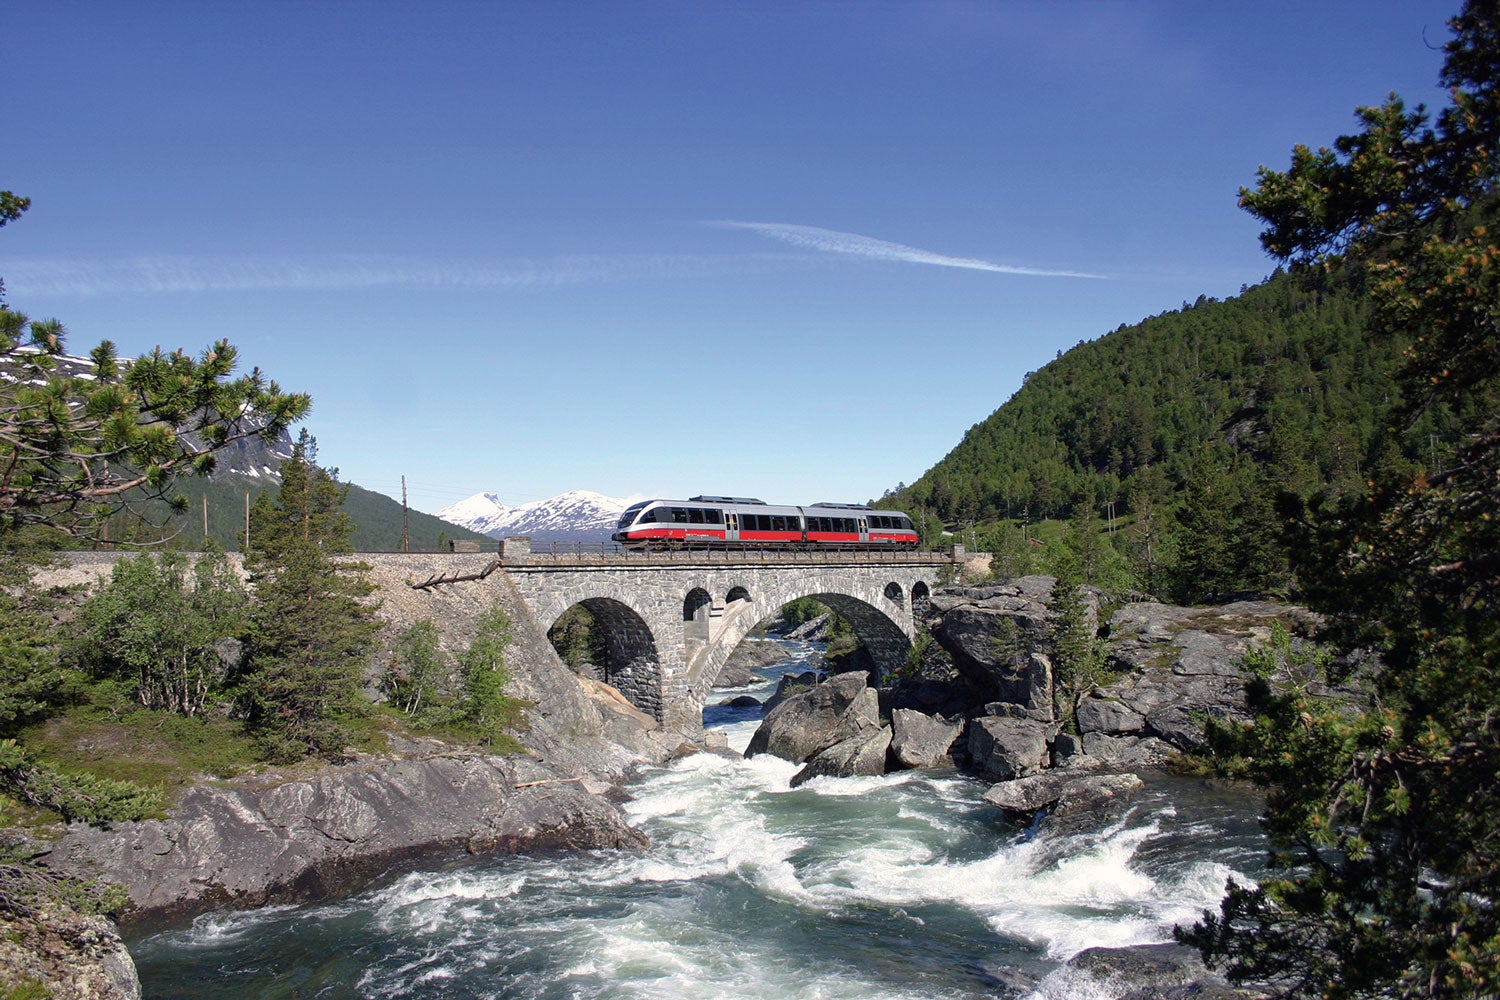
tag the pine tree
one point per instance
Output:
(1384, 814)
(311, 636)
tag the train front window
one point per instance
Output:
(629, 516)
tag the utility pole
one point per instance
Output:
(205, 518)
(247, 523)
(405, 538)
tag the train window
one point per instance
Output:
(695, 515)
(713, 517)
(778, 523)
(679, 515)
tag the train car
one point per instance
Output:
(743, 522)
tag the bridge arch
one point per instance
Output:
(671, 620)
(880, 620)
(633, 662)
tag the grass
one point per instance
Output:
(124, 742)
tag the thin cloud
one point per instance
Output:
(855, 245)
(178, 274)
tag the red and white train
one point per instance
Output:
(743, 522)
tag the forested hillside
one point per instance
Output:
(222, 500)
(1179, 433)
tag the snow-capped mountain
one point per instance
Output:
(579, 515)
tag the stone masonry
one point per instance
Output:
(672, 619)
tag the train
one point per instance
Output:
(743, 522)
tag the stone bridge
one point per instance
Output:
(672, 619)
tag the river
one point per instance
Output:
(905, 886)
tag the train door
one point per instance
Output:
(731, 526)
(864, 531)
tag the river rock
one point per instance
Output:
(1155, 972)
(1179, 666)
(815, 720)
(1102, 714)
(294, 838)
(747, 656)
(791, 684)
(65, 953)
(1003, 748)
(861, 754)
(919, 740)
(1069, 799)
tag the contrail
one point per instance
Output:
(855, 245)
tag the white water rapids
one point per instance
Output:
(905, 886)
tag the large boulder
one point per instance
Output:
(791, 684)
(815, 720)
(919, 740)
(61, 952)
(861, 754)
(1155, 972)
(1005, 748)
(1072, 800)
(991, 633)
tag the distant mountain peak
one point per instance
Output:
(577, 515)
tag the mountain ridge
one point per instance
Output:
(576, 515)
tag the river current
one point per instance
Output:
(904, 886)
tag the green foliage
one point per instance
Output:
(310, 634)
(485, 709)
(1385, 812)
(79, 796)
(418, 670)
(804, 609)
(1079, 663)
(157, 622)
(1011, 550)
(79, 442)
(1229, 536)
(578, 640)
(26, 989)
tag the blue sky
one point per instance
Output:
(781, 249)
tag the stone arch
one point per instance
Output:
(893, 592)
(736, 594)
(632, 662)
(921, 600)
(881, 637)
(696, 605)
(874, 620)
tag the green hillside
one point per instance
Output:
(1186, 428)
(377, 518)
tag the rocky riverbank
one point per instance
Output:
(985, 698)
(315, 832)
